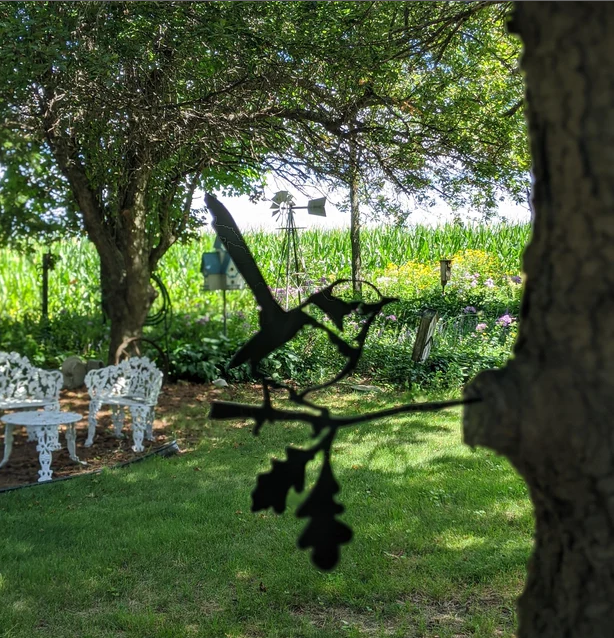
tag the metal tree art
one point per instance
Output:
(324, 533)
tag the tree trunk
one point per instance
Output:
(127, 292)
(126, 301)
(551, 409)
(355, 222)
(126, 257)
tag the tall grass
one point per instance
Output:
(74, 283)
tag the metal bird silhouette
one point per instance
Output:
(278, 326)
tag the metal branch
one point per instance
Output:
(318, 422)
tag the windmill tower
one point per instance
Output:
(291, 265)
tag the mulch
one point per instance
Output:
(107, 451)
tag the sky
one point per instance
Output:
(249, 215)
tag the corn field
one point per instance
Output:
(74, 282)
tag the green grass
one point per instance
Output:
(168, 547)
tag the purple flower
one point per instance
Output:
(517, 279)
(481, 327)
(391, 317)
(469, 310)
(489, 283)
(203, 320)
(505, 320)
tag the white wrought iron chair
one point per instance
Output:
(134, 383)
(25, 387)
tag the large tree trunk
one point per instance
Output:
(126, 301)
(551, 409)
(126, 257)
(126, 290)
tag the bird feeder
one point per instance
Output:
(445, 269)
(220, 273)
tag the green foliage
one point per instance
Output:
(483, 288)
(156, 87)
(47, 343)
(74, 282)
(114, 114)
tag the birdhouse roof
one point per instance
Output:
(215, 263)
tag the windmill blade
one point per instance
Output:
(230, 235)
(281, 197)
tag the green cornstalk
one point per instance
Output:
(74, 283)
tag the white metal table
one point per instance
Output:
(44, 426)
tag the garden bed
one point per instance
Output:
(108, 451)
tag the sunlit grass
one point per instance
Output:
(169, 547)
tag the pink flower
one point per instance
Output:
(391, 317)
(505, 320)
(469, 310)
(489, 283)
(481, 327)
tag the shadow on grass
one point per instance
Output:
(177, 535)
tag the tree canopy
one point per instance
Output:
(214, 93)
(429, 96)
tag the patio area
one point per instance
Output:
(108, 451)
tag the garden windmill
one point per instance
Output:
(290, 264)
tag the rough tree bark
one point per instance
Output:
(551, 409)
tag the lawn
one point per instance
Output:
(168, 548)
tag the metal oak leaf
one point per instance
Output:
(272, 488)
(324, 533)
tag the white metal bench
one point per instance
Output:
(133, 383)
(25, 387)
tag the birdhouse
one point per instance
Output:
(219, 270)
(445, 269)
